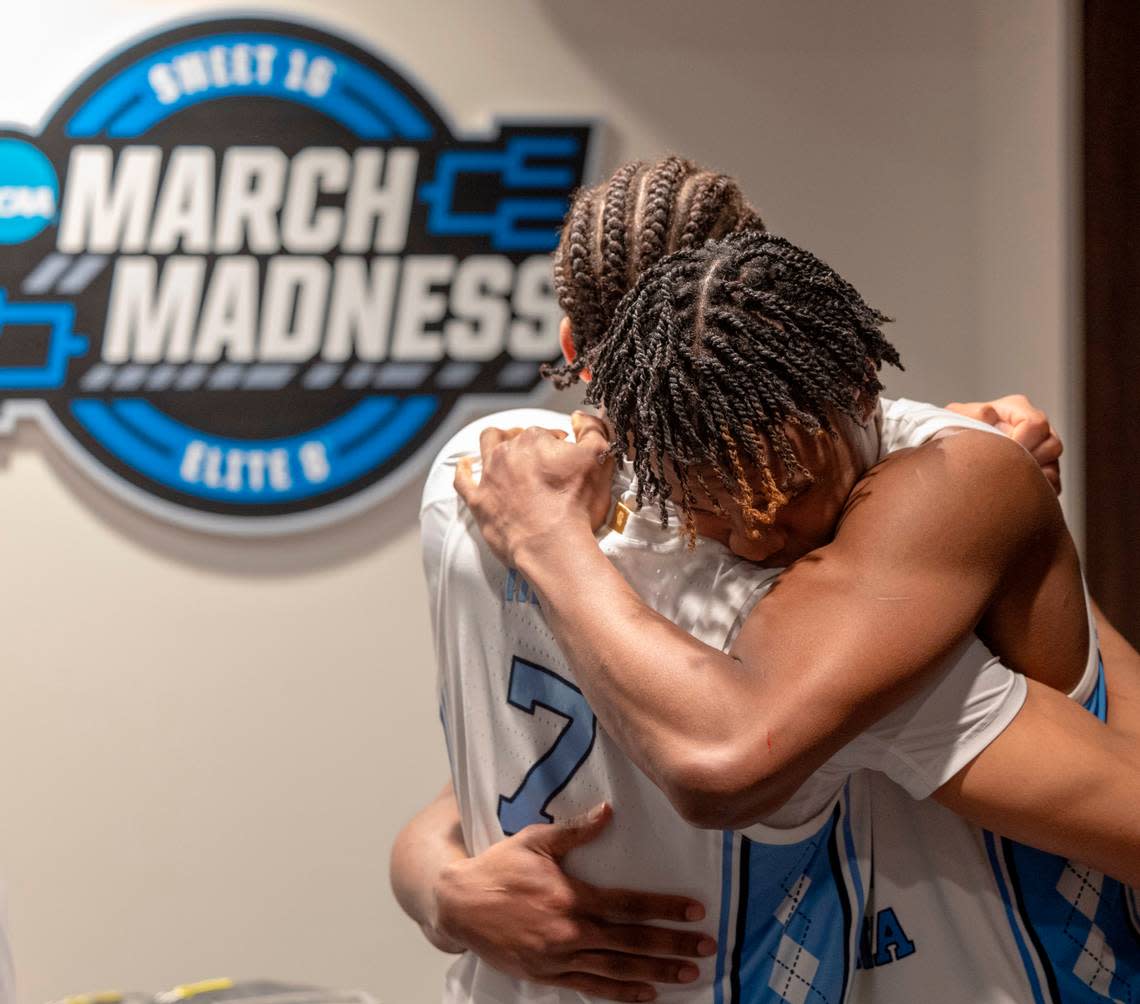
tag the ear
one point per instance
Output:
(569, 351)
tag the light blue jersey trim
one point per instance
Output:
(1098, 700)
(1014, 925)
(1021, 922)
(852, 857)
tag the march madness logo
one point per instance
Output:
(248, 273)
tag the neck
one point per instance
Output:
(850, 455)
(866, 440)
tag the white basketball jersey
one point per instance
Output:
(958, 915)
(784, 899)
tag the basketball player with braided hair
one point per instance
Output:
(616, 230)
(634, 219)
(713, 357)
(674, 909)
(742, 379)
(643, 212)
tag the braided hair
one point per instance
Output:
(619, 228)
(715, 352)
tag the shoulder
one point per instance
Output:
(968, 489)
(439, 504)
(439, 485)
(972, 458)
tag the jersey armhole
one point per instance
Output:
(921, 784)
(757, 593)
(1089, 678)
(793, 833)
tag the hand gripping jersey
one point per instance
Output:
(784, 898)
(958, 915)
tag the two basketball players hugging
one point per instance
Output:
(765, 688)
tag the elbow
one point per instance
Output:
(722, 788)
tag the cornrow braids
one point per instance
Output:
(616, 230)
(715, 352)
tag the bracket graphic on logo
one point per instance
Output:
(515, 166)
(264, 330)
(62, 344)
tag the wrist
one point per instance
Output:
(542, 553)
(439, 925)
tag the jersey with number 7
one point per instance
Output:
(787, 897)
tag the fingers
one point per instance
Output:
(1048, 455)
(1031, 434)
(489, 438)
(606, 989)
(976, 410)
(1030, 425)
(492, 437)
(1031, 428)
(1049, 450)
(540, 432)
(590, 430)
(1017, 417)
(558, 839)
(465, 478)
(632, 906)
(1017, 408)
(640, 940)
(635, 967)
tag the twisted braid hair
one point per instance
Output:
(715, 352)
(619, 228)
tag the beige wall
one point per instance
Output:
(207, 746)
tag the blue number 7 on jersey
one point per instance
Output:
(530, 687)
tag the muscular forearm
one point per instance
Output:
(845, 636)
(427, 844)
(688, 736)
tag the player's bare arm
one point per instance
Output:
(724, 736)
(919, 553)
(519, 911)
(1057, 778)
(445, 898)
(847, 632)
(424, 848)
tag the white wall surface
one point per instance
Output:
(207, 746)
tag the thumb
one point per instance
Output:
(465, 483)
(590, 430)
(559, 839)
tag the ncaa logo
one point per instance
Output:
(250, 278)
(28, 191)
